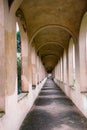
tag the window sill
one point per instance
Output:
(84, 92)
(33, 87)
(2, 114)
(22, 95)
(72, 87)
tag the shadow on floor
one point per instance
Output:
(54, 111)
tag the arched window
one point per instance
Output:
(18, 39)
(23, 53)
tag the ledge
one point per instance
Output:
(37, 82)
(22, 95)
(2, 113)
(84, 92)
(72, 86)
(33, 87)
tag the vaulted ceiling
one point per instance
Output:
(50, 24)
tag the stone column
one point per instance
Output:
(70, 62)
(65, 58)
(2, 57)
(34, 73)
(38, 65)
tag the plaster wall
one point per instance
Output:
(80, 100)
(17, 110)
(77, 91)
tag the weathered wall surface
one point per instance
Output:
(74, 70)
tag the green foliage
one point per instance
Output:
(18, 41)
(19, 60)
(19, 72)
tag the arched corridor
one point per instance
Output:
(53, 110)
(42, 39)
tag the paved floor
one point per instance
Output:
(54, 111)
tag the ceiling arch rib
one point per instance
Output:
(53, 49)
(51, 54)
(53, 36)
(54, 54)
(53, 26)
(49, 43)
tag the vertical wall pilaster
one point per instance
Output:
(34, 66)
(2, 57)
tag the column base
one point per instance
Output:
(33, 86)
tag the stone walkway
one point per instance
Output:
(54, 111)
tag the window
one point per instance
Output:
(18, 38)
